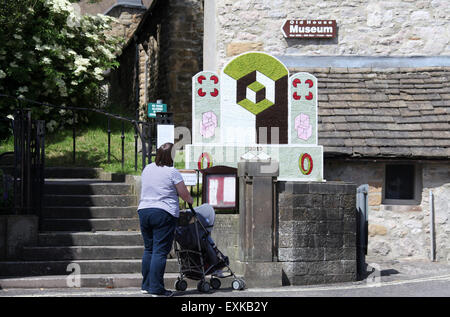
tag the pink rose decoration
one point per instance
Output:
(304, 129)
(208, 124)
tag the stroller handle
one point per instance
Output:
(192, 209)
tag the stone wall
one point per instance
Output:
(122, 82)
(127, 20)
(226, 236)
(442, 222)
(401, 231)
(174, 55)
(182, 57)
(101, 6)
(317, 232)
(436, 177)
(365, 28)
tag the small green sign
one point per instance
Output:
(153, 108)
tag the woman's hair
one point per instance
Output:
(164, 155)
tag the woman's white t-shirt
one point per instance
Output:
(158, 188)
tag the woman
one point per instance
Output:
(158, 209)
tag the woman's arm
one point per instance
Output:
(183, 192)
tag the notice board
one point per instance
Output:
(220, 187)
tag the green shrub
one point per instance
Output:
(52, 54)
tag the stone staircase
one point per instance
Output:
(89, 219)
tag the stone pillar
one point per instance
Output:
(317, 232)
(257, 224)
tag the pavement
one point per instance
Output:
(406, 269)
(400, 278)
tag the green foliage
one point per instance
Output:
(50, 53)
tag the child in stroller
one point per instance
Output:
(197, 253)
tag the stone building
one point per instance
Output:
(384, 106)
(384, 101)
(163, 43)
(384, 93)
(159, 58)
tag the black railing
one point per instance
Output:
(142, 129)
(26, 164)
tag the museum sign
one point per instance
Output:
(309, 29)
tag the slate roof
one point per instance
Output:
(392, 112)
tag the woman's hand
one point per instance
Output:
(183, 192)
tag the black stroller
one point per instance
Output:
(197, 254)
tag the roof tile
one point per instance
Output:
(399, 112)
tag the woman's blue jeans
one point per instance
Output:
(157, 229)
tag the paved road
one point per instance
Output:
(394, 278)
(416, 287)
(226, 300)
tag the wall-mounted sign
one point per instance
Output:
(221, 191)
(220, 188)
(309, 28)
(153, 108)
(190, 177)
(165, 133)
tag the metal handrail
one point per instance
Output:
(73, 108)
(144, 135)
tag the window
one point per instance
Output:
(402, 184)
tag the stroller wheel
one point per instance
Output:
(181, 285)
(203, 287)
(215, 283)
(238, 284)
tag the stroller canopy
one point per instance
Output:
(208, 213)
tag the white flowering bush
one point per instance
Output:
(51, 53)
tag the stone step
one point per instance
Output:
(99, 281)
(73, 253)
(101, 238)
(90, 200)
(86, 187)
(73, 172)
(82, 172)
(104, 224)
(39, 268)
(89, 212)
